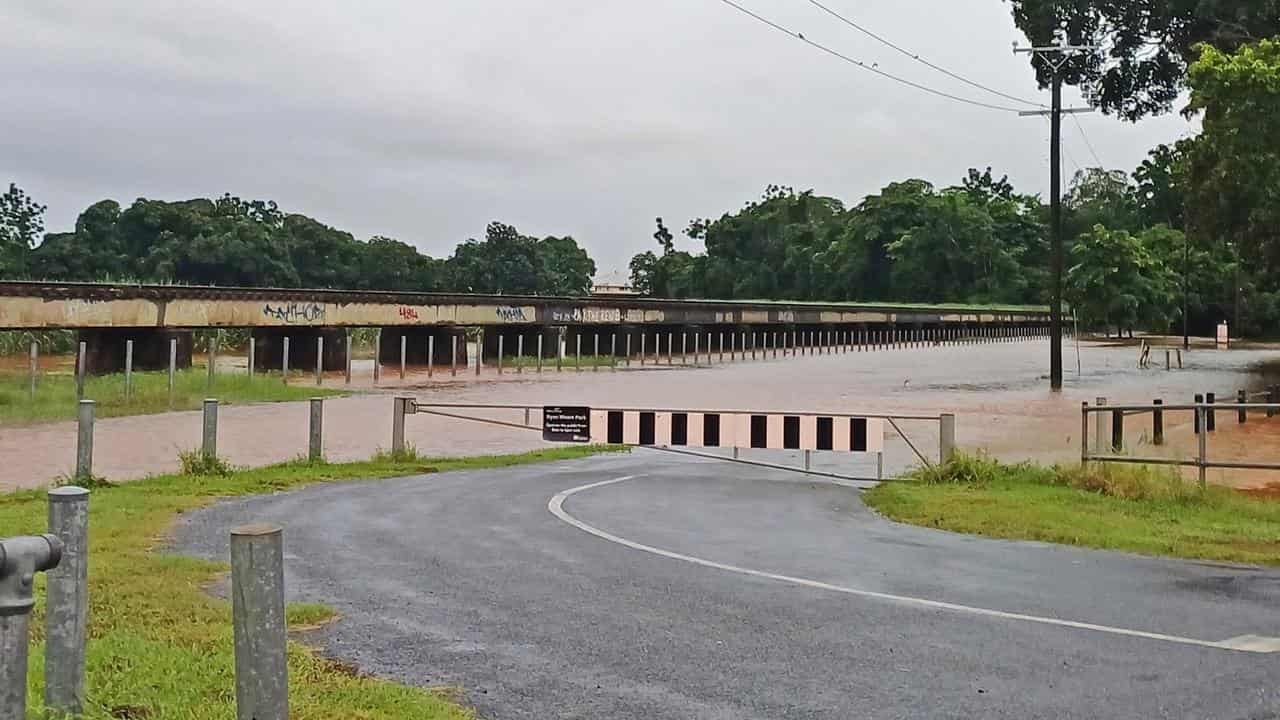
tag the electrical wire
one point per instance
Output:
(1085, 137)
(915, 56)
(863, 65)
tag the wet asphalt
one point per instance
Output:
(467, 579)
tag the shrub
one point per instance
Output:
(196, 463)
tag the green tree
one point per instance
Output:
(566, 268)
(1117, 281)
(1144, 47)
(21, 225)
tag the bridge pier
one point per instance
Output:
(105, 349)
(417, 343)
(269, 348)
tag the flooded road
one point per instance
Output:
(998, 391)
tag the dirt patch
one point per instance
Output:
(1270, 491)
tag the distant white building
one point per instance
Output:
(612, 284)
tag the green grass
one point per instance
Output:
(56, 393)
(160, 646)
(1140, 509)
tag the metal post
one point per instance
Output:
(315, 434)
(946, 437)
(404, 352)
(1211, 417)
(431, 356)
(67, 602)
(1117, 430)
(1198, 425)
(628, 350)
(560, 350)
(399, 406)
(377, 356)
(1242, 415)
(319, 360)
(84, 440)
(808, 459)
(173, 364)
(1157, 423)
(82, 357)
(346, 374)
(1202, 447)
(644, 337)
(1084, 433)
(501, 349)
(540, 351)
(684, 347)
(20, 558)
(520, 353)
(671, 348)
(213, 357)
(577, 352)
(1168, 359)
(1099, 425)
(34, 366)
(257, 611)
(253, 347)
(721, 346)
(595, 352)
(128, 369)
(209, 435)
(284, 362)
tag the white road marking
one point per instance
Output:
(1245, 643)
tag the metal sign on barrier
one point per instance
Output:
(566, 424)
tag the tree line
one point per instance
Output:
(233, 242)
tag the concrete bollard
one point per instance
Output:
(404, 354)
(595, 353)
(613, 351)
(253, 347)
(258, 623)
(209, 429)
(479, 350)
(453, 358)
(684, 348)
(377, 357)
(67, 602)
(946, 437)
(315, 433)
(399, 408)
(627, 361)
(84, 440)
(501, 351)
(1157, 422)
(20, 558)
(284, 361)
(128, 370)
(346, 370)
(319, 360)
(520, 354)
(577, 353)
(539, 352)
(34, 369)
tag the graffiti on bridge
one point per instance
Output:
(511, 314)
(408, 313)
(294, 312)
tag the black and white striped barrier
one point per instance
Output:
(743, 430)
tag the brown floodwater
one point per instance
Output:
(999, 393)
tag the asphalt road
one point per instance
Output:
(700, 589)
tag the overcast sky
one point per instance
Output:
(425, 120)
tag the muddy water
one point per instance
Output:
(998, 391)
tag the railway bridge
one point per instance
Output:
(108, 315)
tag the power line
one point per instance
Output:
(1085, 137)
(915, 56)
(863, 65)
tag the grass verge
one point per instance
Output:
(1139, 509)
(56, 394)
(161, 647)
